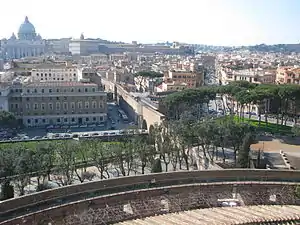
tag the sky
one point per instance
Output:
(212, 22)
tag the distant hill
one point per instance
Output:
(272, 48)
(284, 48)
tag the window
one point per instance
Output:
(94, 105)
(65, 98)
(35, 106)
(94, 118)
(87, 119)
(43, 90)
(29, 121)
(65, 120)
(43, 106)
(51, 106)
(43, 121)
(93, 89)
(36, 121)
(58, 120)
(57, 98)
(86, 105)
(57, 106)
(50, 90)
(35, 91)
(57, 90)
(17, 106)
(73, 105)
(27, 106)
(79, 90)
(79, 105)
(73, 120)
(11, 106)
(27, 99)
(101, 105)
(72, 90)
(28, 90)
(65, 105)
(85, 90)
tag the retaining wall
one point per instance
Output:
(45, 199)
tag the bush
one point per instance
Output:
(156, 167)
(7, 191)
(297, 192)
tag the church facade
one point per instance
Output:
(27, 44)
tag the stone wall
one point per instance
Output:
(138, 204)
(72, 193)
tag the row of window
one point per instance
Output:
(59, 106)
(49, 75)
(57, 79)
(64, 120)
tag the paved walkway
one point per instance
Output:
(276, 145)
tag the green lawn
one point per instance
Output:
(266, 127)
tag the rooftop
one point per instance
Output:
(225, 215)
(61, 84)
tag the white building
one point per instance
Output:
(83, 46)
(54, 72)
(28, 43)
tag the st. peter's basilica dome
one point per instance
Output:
(26, 31)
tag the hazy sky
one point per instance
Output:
(218, 22)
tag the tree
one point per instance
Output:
(243, 158)
(64, 165)
(101, 156)
(7, 169)
(8, 120)
(24, 166)
(296, 130)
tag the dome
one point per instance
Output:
(13, 37)
(26, 31)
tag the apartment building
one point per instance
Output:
(288, 75)
(171, 86)
(256, 76)
(191, 79)
(39, 104)
(54, 72)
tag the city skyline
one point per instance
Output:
(212, 22)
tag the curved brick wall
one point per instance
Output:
(68, 194)
(110, 208)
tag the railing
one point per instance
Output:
(45, 199)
